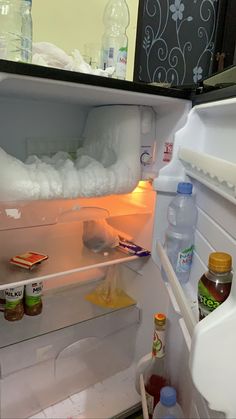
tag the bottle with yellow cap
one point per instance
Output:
(155, 373)
(214, 286)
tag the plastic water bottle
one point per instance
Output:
(15, 30)
(179, 237)
(27, 32)
(168, 406)
(114, 40)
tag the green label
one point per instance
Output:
(31, 301)
(11, 305)
(207, 303)
(184, 260)
(123, 49)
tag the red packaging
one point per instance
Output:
(28, 260)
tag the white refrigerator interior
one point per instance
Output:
(75, 351)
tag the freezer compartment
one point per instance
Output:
(41, 371)
(122, 137)
(103, 163)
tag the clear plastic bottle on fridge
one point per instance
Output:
(27, 32)
(15, 35)
(168, 406)
(114, 41)
(179, 237)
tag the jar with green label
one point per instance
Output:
(14, 307)
(214, 286)
(33, 298)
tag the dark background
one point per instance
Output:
(181, 42)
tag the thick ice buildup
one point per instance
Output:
(108, 162)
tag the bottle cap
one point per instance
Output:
(160, 319)
(220, 262)
(185, 188)
(168, 396)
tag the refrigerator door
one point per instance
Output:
(205, 149)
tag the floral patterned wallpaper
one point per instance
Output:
(176, 40)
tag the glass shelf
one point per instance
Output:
(63, 261)
(57, 314)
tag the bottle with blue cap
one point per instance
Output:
(179, 236)
(168, 406)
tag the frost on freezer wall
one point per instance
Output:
(107, 163)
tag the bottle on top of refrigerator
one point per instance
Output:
(15, 32)
(214, 286)
(114, 40)
(155, 373)
(168, 406)
(179, 236)
(27, 33)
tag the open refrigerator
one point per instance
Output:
(91, 358)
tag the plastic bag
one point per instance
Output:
(108, 294)
(98, 235)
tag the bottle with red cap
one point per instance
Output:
(155, 373)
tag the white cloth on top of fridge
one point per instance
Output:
(49, 55)
(108, 162)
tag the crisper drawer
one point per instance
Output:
(41, 371)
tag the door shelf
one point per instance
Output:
(57, 314)
(216, 173)
(183, 298)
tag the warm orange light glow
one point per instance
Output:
(143, 184)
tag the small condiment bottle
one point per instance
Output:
(14, 307)
(33, 299)
(214, 286)
(155, 371)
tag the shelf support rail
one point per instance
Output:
(177, 290)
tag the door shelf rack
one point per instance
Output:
(183, 298)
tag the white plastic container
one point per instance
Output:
(179, 237)
(114, 41)
(168, 406)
